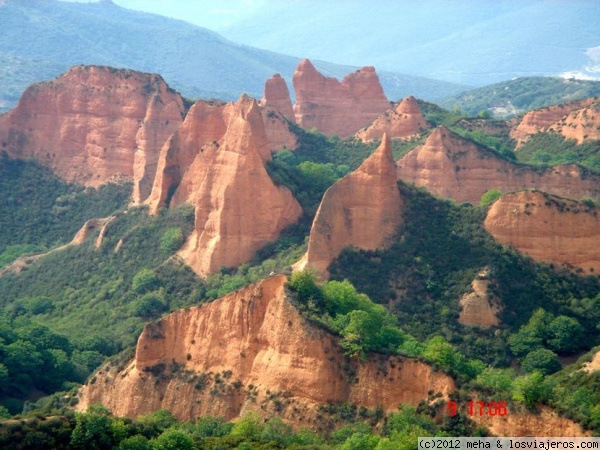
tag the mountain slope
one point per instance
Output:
(516, 96)
(464, 42)
(39, 40)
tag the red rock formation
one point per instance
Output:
(336, 108)
(276, 107)
(238, 207)
(546, 118)
(205, 122)
(277, 97)
(255, 343)
(547, 228)
(479, 307)
(452, 167)
(404, 121)
(582, 124)
(362, 210)
(95, 123)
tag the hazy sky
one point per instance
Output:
(212, 14)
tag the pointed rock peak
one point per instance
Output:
(247, 107)
(408, 105)
(306, 66)
(440, 137)
(277, 75)
(381, 162)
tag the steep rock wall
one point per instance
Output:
(262, 350)
(362, 210)
(336, 108)
(95, 123)
(450, 166)
(548, 228)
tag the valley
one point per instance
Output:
(324, 272)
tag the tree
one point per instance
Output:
(137, 442)
(565, 334)
(145, 281)
(304, 283)
(543, 360)
(171, 240)
(149, 305)
(248, 427)
(529, 389)
(173, 439)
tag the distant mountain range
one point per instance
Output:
(469, 42)
(42, 39)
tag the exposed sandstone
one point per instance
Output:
(205, 123)
(337, 108)
(244, 350)
(89, 228)
(582, 124)
(277, 97)
(404, 121)
(548, 228)
(546, 423)
(277, 129)
(92, 124)
(238, 207)
(450, 166)
(479, 307)
(594, 364)
(362, 210)
(553, 117)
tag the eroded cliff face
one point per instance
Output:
(363, 210)
(276, 108)
(205, 123)
(452, 167)
(238, 207)
(95, 123)
(251, 350)
(404, 121)
(548, 228)
(573, 120)
(336, 108)
(546, 423)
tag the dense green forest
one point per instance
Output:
(63, 315)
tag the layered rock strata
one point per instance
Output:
(93, 123)
(548, 228)
(337, 108)
(402, 122)
(450, 166)
(362, 210)
(252, 350)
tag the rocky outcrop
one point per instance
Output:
(545, 423)
(276, 108)
(582, 124)
(363, 210)
(479, 307)
(93, 124)
(336, 108)
(238, 207)
(277, 97)
(205, 123)
(555, 117)
(548, 228)
(252, 350)
(450, 166)
(405, 121)
(89, 228)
